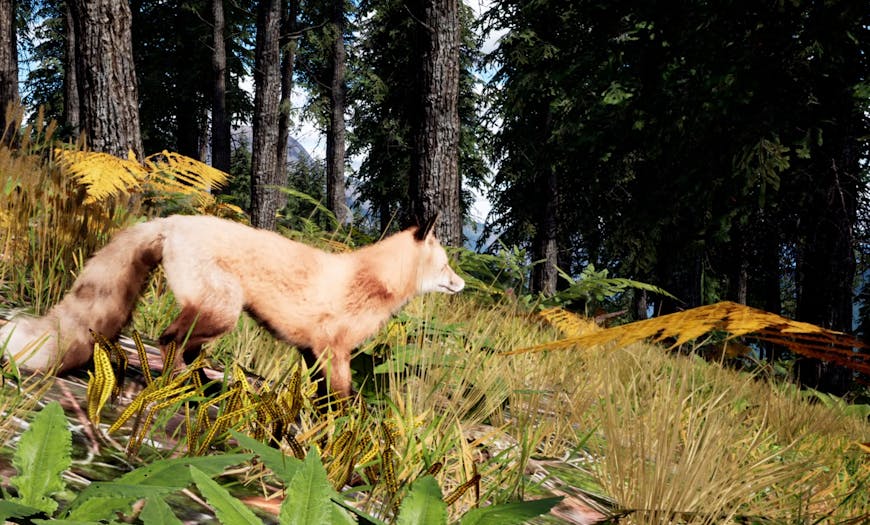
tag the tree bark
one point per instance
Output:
(71, 105)
(545, 275)
(265, 198)
(826, 265)
(434, 180)
(8, 62)
(107, 87)
(335, 135)
(289, 41)
(190, 113)
(220, 124)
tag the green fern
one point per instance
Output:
(597, 285)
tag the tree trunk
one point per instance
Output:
(265, 198)
(434, 179)
(826, 268)
(189, 112)
(71, 106)
(107, 87)
(289, 41)
(832, 188)
(220, 124)
(335, 135)
(8, 62)
(545, 275)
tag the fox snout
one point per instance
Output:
(444, 280)
(454, 283)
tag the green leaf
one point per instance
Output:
(9, 509)
(309, 494)
(43, 454)
(423, 504)
(284, 466)
(101, 500)
(355, 513)
(175, 473)
(509, 513)
(107, 503)
(63, 522)
(157, 512)
(154, 480)
(228, 509)
(339, 516)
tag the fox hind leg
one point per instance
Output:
(193, 328)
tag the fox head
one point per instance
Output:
(435, 273)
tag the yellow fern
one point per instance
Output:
(105, 175)
(101, 174)
(570, 324)
(736, 319)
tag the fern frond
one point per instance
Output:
(570, 324)
(737, 320)
(102, 174)
(189, 172)
(100, 384)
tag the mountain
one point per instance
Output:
(295, 151)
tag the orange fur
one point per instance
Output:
(321, 302)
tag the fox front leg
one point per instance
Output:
(334, 372)
(339, 373)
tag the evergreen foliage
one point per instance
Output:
(689, 142)
(384, 98)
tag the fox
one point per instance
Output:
(325, 304)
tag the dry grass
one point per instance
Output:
(670, 437)
(673, 438)
(46, 228)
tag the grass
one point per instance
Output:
(673, 437)
(667, 437)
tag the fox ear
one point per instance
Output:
(426, 227)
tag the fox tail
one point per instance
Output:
(102, 298)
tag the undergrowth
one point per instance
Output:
(445, 419)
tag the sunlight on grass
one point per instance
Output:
(660, 436)
(671, 436)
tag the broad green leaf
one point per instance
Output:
(284, 466)
(100, 500)
(339, 516)
(423, 504)
(157, 512)
(309, 494)
(154, 480)
(64, 522)
(228, 509)
(509, 513)
(43, 454)
(9, 509)
(357, 514)
(175, 473)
